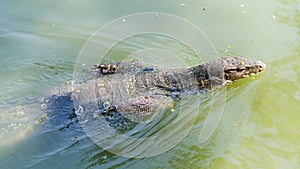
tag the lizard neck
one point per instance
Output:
(209, 75)
(202, 76)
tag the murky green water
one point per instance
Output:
(39, 44)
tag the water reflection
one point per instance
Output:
(259, 130)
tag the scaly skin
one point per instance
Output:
(123, 89)
(132, 88)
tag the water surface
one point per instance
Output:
(40, 42)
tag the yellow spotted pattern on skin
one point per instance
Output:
(102, 91)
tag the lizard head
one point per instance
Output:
(237, 68)
(222, 71)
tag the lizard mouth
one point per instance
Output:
(244, 71)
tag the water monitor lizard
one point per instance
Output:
(128, 88)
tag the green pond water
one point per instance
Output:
(260, 128)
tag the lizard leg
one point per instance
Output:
(144, 105)
(127, 114)
(117, 121)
